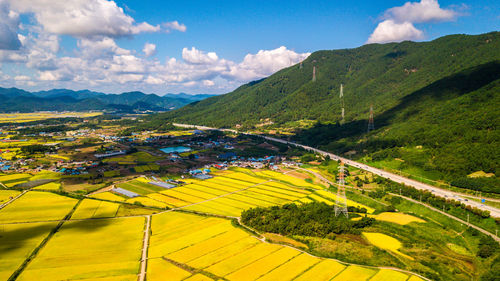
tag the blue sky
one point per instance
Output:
(204, 46)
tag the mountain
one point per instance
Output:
(440, 96)
(63, 99)
(378, 74)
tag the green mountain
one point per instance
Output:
(440, 96)
(14, 100)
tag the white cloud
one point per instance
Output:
(419, 12)
(265, 62)
(390, 31)
(22, 78)
(9, 25)
(85, 18)
(208, 83)
(154, 80)
(174, 25)
(149, 49)
(398, 24)
(195, 56)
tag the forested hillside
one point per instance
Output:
(378, 74)
(436, 105)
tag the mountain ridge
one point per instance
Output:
(64, 99)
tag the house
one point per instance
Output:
(227, 156)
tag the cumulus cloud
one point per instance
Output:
(195, 56)
(84, 18)
(174, 25)
(390, 31)
(418, 12)
(9, 25)
(398, 23)
(265, 62)
(149, 49)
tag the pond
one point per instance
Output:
(175, 149)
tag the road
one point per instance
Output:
(144, 259)
(494, 212)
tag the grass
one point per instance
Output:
(17, 241)
(37, 206)
(111, 249)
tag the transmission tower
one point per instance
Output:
(342, 102)
(371, 125)
(341, 202)
(300, 67)
(314, 73)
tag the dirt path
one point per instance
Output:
(12, 200)
(144, 259)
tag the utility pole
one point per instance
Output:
(341, 202)
(341, 96)
(371, 124)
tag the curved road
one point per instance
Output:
(494, 212)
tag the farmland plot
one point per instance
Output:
(214, 248)
(107, 248)
(17, 241)
(37, 206)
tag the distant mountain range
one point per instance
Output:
(17, 100)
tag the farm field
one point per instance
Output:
(29, 117)
(5, 195)
(17, 241)
(385, 242)
(231, 192)
(213, 245)
(48, 186)
(398, 218)
(13, 179)
(111, 249)
(90, 208)
(37, 206)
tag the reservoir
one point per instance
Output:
(175, 149)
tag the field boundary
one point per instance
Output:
(42, 244)
(145, 246)
(12, 200)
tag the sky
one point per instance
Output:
(209, 47)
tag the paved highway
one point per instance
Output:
(494, 212)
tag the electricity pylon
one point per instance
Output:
(341, 202)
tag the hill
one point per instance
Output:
(63, 99)
(439, 96)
